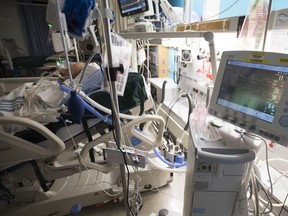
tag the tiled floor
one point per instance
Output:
(169, 197)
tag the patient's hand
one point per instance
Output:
(75, 70)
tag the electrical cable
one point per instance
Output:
(166, 126)
(86, 65)
(222, 11)
(171, 105)
(257, 207)
(269, 205)
(268, 172)
(163, 91)
(283, 206)
(275, 181)
(189, 111)
(86, 168)
(75, 147)
(270, 180)
(249, 189)
(128, 172)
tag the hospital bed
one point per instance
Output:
(59, 173)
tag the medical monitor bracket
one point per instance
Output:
(250, 92)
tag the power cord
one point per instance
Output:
(269, 203)
(283, 206)
(125, 163)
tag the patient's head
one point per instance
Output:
(76, 68)
(92, 77)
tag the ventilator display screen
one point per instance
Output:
(253, 89)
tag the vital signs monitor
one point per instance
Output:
(251, 91)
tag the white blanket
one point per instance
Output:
(40, 101)
(37, 101)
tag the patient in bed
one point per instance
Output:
(40, 101)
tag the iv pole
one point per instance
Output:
(107, 16)
(118, 135)
(266, 26)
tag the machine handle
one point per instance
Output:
(236, 158)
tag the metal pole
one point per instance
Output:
(64, 37)
(114, 98)
(187, 11)
(266, 26)
(76, 49)
(208, 36)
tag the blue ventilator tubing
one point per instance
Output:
(76, 110)
(76, 107)
(76, 209)
(176, 165)
(88, 107)
(179, 158)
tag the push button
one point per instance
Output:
(283, 121)
(285, 110)
(242, 124)
(276, 138)
(252, 128)
(225, 117)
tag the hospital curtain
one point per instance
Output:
(35, 28)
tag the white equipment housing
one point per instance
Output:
(216, 171)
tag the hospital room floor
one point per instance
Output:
(169, 197)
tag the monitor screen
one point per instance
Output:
(132, 7)
(250, 91)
